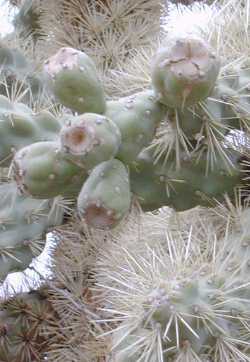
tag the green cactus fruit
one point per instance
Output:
(42, 171)
(105, 196)
(185, 72)
(90, 139)
(137, 117)
(74, 81)
(20, 127)
(25, 320)
(24, 222)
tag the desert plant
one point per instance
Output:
(25, 322)
(132, 282)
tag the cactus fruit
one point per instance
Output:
(19, 127)
(90, 139)
(206, 168)
(24, 223)
(105, 196)
(42, 171)
(74, 81)
(185, 72)
(25, 320)
(137, 117)
(159, 290)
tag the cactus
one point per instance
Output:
(90, 139)
(106, 30)
(17, 75)
(209, 122)
(233, 90)
(74, 81)
(188, 305)
(137, 117)
(105, 198)
(185, 72)
(20, 126)
(193, 166)
(23, 319)
(42, 171)
(161, 184)
(27, 19)
(71, 295)
(142, 287)
(195, 123)
(24, 223)
(148, 186)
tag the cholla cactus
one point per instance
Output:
(165, 146)
(25, 320)
(24, 223)
(18, 77)
(176, 295)
(106, 30)
(176, 290)
(27, 19)
(121, 131)
(72, 298)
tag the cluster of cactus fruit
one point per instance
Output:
(164, 146)
(170, 145)
(110, 150)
